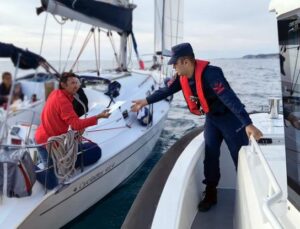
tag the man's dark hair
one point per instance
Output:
(5, 74)
(64, 78)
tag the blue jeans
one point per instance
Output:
(91, 154)
(218, 127)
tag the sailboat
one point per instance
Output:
(264, 192)
(126, 141)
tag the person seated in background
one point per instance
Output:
(33, 98)
(57, 116)
(155, 64)
(5, 87)
(17, 93)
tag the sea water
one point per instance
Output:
(253, 80)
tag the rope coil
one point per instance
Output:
(63, 150)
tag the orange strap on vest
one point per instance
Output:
(187, 91)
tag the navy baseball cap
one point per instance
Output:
(180, 50)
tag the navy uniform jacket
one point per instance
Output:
(217, 91)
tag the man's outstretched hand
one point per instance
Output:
(138, 104)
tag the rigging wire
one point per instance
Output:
(42, 41)
(61, 23)
(43, 34)
(90, 33)
(178, 20)
(171, 22)
(294, 83)
(163, 27)
(96, 56)
(109, 34)
(99, 64)
(75, 34)
(158, 18)
(60, 46)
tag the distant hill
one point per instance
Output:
(261, 56)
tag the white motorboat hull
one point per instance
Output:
(255, 198)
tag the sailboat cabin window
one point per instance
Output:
(289, 47)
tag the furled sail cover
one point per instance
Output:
(28, 59)
(168, 24)
(97, 13)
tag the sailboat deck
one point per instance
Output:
(220, 215)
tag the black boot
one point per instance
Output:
(210, 198)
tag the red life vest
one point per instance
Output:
(187, 91)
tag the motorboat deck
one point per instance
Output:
(220, 215)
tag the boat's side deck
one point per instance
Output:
(220, 215)
(139, 216)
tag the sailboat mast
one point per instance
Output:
(123, 51)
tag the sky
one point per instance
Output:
(216, 29)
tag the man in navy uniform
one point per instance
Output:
(206, 91)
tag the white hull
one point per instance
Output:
(260, 187)
(58, 208)
(125, 146)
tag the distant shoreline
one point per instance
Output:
(261, 56)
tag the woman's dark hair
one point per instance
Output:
(5, 74)
(64, 78)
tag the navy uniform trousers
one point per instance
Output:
(218, 128)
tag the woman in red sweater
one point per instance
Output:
(57, 116)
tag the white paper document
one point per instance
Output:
(116, 106)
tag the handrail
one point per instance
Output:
(22, 146)
(272, 197)
(28, 146)
(4, 126)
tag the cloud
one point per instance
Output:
(227, 28)
(230, 28)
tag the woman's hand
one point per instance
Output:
(103, 114)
